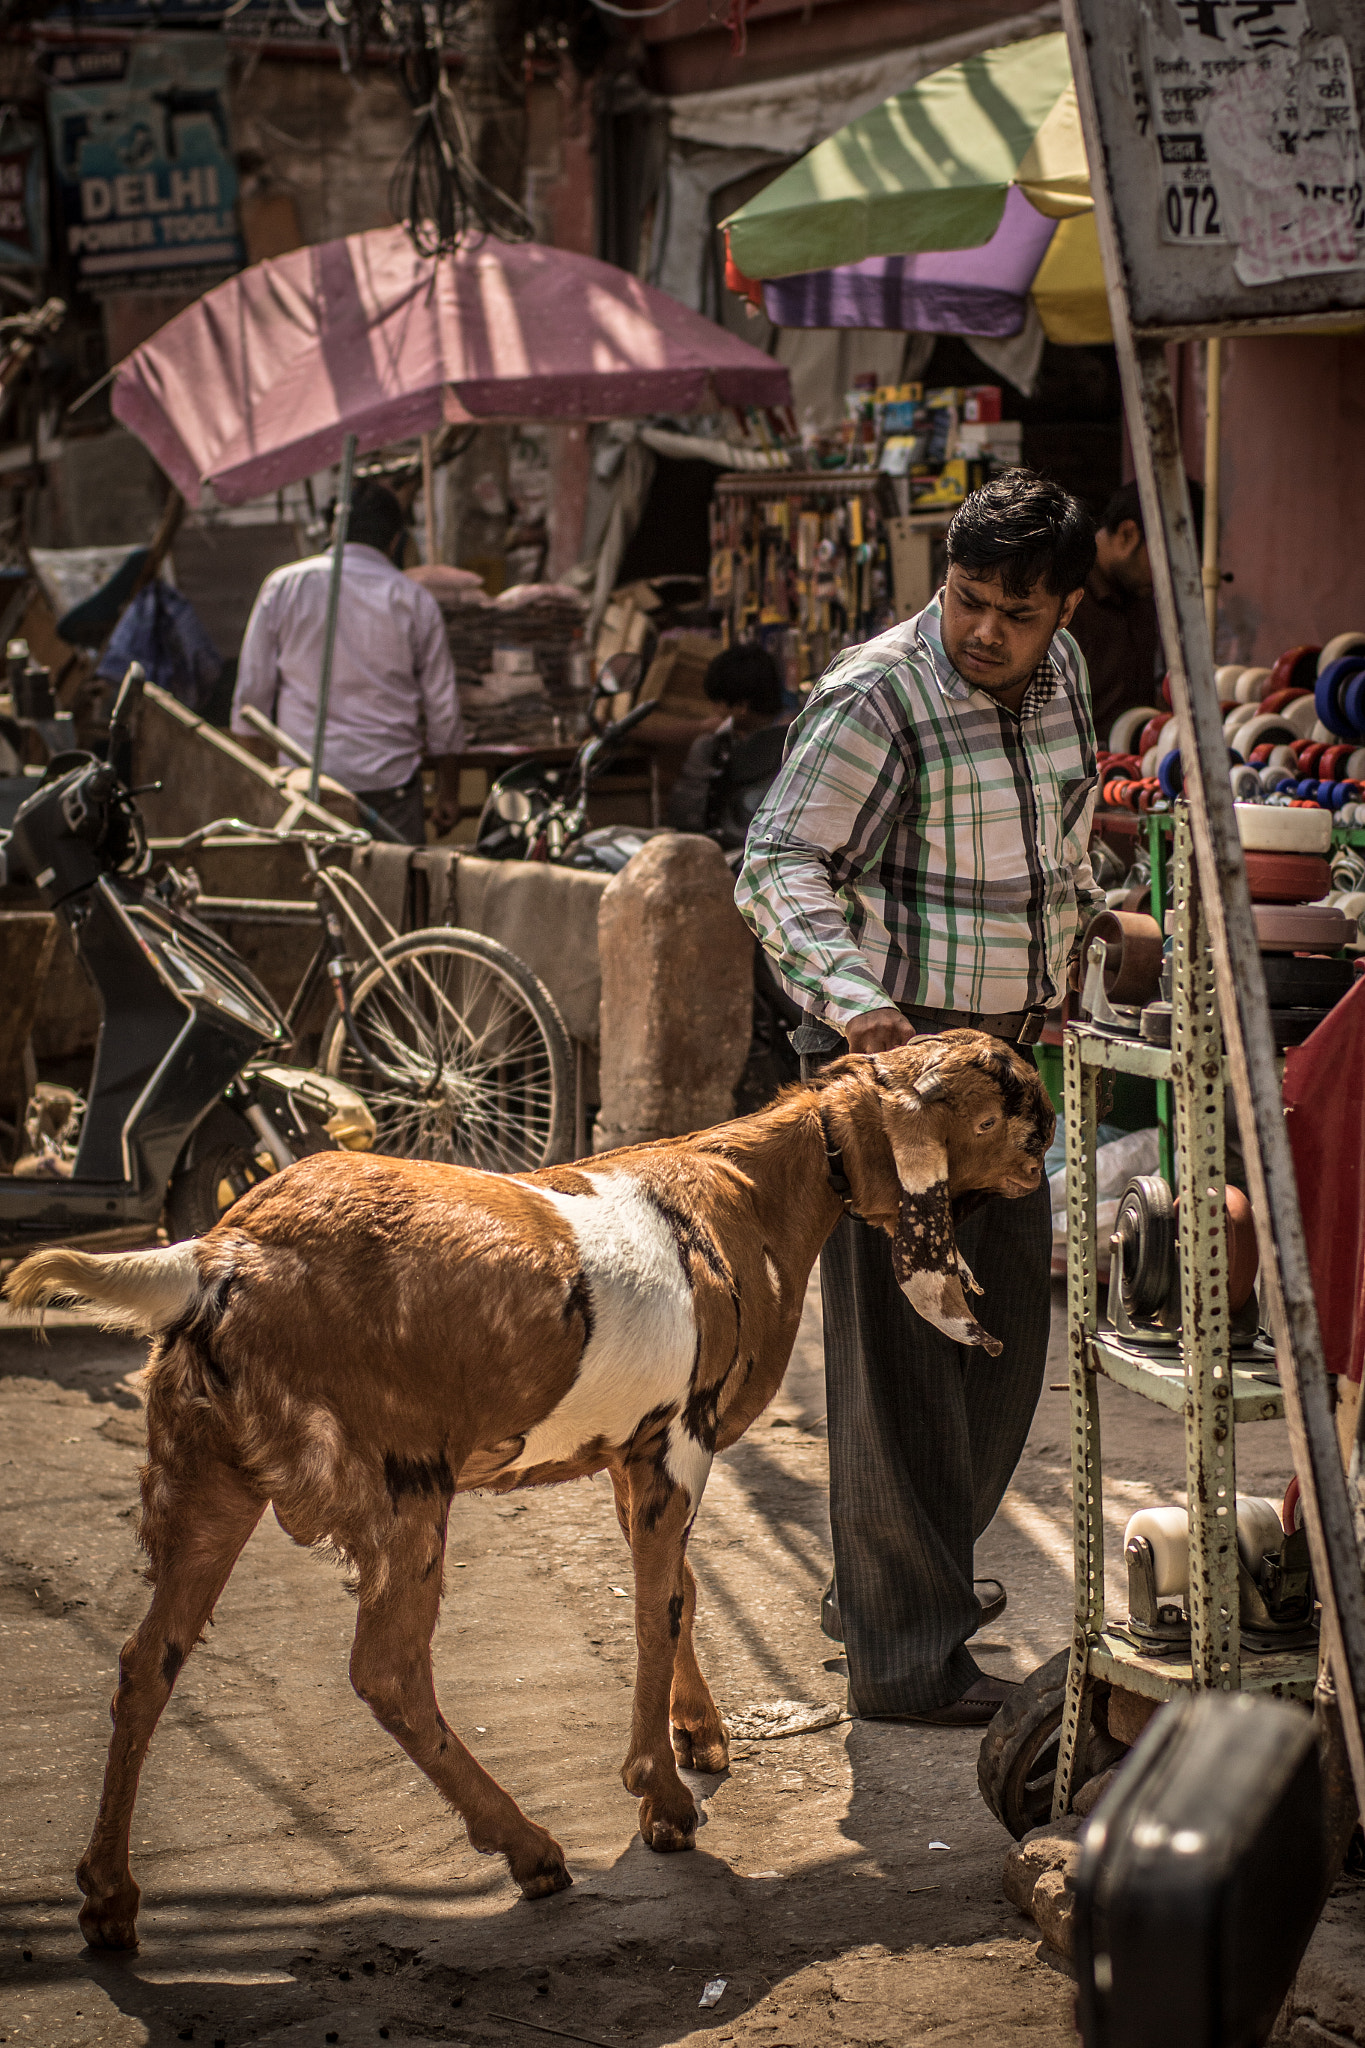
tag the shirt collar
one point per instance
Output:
(1042, 684)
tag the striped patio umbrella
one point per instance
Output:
(941, 211)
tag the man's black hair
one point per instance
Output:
(1126, 504)
(377, 518)
(1023, 527)
(745, 674)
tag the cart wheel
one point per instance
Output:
(1018, 1760)
(475, 1066)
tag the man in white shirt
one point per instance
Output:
(393, 697)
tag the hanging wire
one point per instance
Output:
(437, 189)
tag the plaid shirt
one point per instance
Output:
(921, 844)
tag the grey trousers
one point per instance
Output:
(924, 1436)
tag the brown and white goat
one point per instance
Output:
(362, 1338)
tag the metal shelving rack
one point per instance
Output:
(1197, 1379)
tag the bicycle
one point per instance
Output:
(457, 1048)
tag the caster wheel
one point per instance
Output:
(1018, 1760)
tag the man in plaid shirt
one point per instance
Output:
(921, 863)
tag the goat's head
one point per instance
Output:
(924, 1127)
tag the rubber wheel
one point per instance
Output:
(1018, 1761)
(489, 1058)
(1304, 981)
(201, 1195)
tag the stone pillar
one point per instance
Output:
(677, 993)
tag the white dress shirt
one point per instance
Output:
(392, 674)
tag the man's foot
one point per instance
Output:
(990, 1593)
(974, 1708)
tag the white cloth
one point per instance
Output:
(790, 115)
(392, 672)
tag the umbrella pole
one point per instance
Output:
(429, 498)
(1213, 435)
(340, 524)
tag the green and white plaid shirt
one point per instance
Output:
(922, 845)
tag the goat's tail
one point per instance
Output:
(148, 1292)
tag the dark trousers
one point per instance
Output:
(924, 1436)
(402, 808)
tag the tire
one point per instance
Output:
(1018, 1760)
(504, 1098)
(201, 1194)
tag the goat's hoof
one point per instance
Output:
(667, 1833)
(111, 1921)
(697, 1750)
(548, 1873)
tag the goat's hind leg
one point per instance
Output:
(400, 1595)
(197, 1519)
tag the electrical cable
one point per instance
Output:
(437, 190)
(635, 13)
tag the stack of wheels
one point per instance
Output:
(1018, 1761)
(1127, 771)
(1286, 850)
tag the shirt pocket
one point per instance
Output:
(1075, 797)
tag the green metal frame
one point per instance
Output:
(1197, 1380)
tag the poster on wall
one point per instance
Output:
(23, 192)
(144, 169)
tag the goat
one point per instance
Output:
(361, 1338)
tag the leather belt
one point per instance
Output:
(1020, 1027)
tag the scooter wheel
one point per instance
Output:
(199, 1196)
(1018, 1761)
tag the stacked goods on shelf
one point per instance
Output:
(800, 563)
(1289, 873)
(515, 659)
(936, 444)
(1295, 734)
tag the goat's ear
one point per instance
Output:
(924, 1252)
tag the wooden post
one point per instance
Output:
(429, 499)
(1213, 437)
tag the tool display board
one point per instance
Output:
(1225, 157)
(1231, 140)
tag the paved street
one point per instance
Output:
(302, 1884)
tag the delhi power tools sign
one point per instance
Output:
(144, 167)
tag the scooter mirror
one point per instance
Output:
(513, 806)
(130, 691)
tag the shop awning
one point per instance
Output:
(258, 383)
(930, 168)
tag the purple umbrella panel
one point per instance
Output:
(941, 291)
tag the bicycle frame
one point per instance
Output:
(330, 887)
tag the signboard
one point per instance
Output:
(1232, 130)
(23, 193)
(144, 168)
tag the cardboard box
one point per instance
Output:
(679, 668)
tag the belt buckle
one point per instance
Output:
(1034, 1022)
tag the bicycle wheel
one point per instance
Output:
(477, 1067)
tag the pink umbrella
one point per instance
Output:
(259, 382)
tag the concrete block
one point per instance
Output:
(677, 966)
(1052, 1847)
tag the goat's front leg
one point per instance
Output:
(700, 1742)
(660, 1515)
(699, 1739)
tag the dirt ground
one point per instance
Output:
(301, 1882)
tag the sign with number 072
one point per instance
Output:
(1191, 213)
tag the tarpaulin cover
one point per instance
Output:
(1324, 1099)
(258, 383)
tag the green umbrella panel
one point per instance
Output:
(927, 169)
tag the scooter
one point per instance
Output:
(539, 811)
(186, 1107)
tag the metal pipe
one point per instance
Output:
(1213, 433)
(429, 499)
(342, 521)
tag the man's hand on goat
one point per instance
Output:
(878, 1031)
